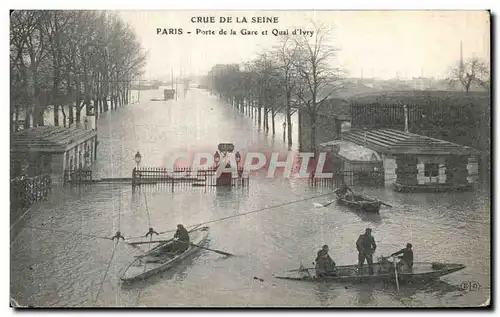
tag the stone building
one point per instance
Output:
(52, 150)
(413, 162)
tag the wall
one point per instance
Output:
(389, 169)
(473, 170)
(57, 166)
(422, 179)
(326, 129)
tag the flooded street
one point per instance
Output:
(65, 261)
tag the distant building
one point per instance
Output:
(422, 83)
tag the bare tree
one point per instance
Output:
(473, 71)
(318, 77)
(286, 54)
(64, 58)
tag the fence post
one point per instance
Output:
(134, 178)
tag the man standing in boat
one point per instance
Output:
(406, 260)
(366, 247)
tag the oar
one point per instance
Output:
(384, 203)
(302, 269)
(396, 272)
(169, 240)
(318, 205)
(146, 242)
(201, 247)
(381, 202)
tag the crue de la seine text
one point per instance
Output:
(212, 19)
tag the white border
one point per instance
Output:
(192, 5)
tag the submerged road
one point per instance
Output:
(58, 258)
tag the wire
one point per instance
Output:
(105, 274)
(250, 212)
(147, 209)
(68, 232)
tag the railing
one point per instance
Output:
(350, 178)
(26, 191)
(187, 177)
(77, 177)
(338, 179)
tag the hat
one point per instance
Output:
(368, 229)
(325, 247)
(179, 226)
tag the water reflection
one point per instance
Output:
(325, 293)
(406, 294)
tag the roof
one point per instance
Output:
(48, 139)
(390, 141)
(353, 152)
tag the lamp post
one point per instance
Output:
(138, 158)
(237, 156)
(216, 158)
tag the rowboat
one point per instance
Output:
(421, 272)
(148, 265)
(360, 203)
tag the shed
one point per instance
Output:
(419, 162)
(52, 149)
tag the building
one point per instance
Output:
(360, 165)
(422, 83)
(414, 162)
(52, 150)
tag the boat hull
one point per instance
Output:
(432, 188)
(422, 272)
(367, 206)
(144, 267)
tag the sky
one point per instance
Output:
(378, 44)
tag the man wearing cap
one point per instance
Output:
(178, 246)
(182, 244)
(406, 260)
(324, 263)
(366, 247)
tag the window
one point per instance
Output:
(431, 169)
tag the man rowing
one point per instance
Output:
(180, 243)
(366, 247)
(344, 192)
(324, 264)
(406, 260)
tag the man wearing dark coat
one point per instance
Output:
(366, 247)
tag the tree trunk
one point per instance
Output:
(71, 116)
(289, 119)
(259, 116)
(56, 115)
(273, 114)
(312, 117)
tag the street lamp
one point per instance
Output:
(217, 157)
(138, 158)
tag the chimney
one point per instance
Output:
(406, 118)
(461, 58)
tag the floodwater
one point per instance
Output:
(57, 262)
